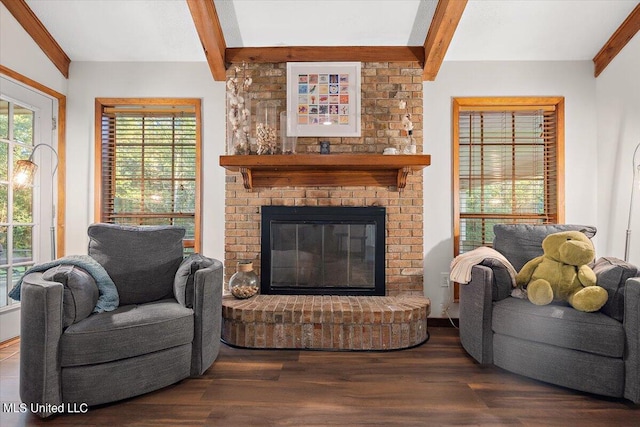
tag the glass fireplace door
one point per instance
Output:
(323, 250)
(322, 255)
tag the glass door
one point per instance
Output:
(25, 121)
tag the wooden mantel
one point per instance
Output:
(317, 170)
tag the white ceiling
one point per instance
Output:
(121, 30)
(259, 23)
(536, 30)
(162, 30)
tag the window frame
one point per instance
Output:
(59, 137)
(504, 104)
(101, 104)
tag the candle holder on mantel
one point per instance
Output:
(244, 283)
(288, 142)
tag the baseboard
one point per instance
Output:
(442, 322)
(9, 342)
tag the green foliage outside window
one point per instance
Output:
(506, 166)
(22, 209)
(16, 143)
(151, 174)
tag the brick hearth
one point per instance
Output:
(325, 322)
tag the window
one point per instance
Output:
(25, 120)
(148, 170)
(16, 205)
(508, 165)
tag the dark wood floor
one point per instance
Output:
(435, 384)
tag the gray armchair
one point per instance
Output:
(166, 327)
(592, 352)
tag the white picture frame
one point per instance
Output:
(323, 99)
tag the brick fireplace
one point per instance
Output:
(383, 86)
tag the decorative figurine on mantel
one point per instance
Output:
(407, 126)
(238, 112)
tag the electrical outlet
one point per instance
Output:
(444, 279)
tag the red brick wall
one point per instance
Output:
(383, 85)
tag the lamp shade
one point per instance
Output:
(23, 173)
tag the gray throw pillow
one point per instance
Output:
(183, 288)
(520, 243)
(141, 260)
(612, 274)
(80, 293)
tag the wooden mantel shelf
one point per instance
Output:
(320, 170)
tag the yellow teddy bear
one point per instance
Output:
(562, 273)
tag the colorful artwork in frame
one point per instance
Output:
(323, 99)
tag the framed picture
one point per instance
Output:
(323, 99)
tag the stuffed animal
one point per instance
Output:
(562, 273)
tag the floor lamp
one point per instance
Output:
(634, 184)
(23, 176)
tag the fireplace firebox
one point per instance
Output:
(311, 250)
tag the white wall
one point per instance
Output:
(572, 80)
(90, 80)
(20, 53)
(618, 95)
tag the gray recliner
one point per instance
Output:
(592, 352)
(166, 327)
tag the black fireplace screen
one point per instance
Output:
(323, 250)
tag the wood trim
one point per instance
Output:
(455, 185)
(560, 159)
(455, 173)
(101, 103)
(443, 26)
(136, 111)
(205, 18)
(62, 176)
(9, 342)
(97, 159)
(617, 41)
(34, 27)
(325, 53)
(197, 245)
(61, 149)
(111, 102)
(471, 102)
(325, 169)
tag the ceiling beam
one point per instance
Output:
(443, 26)
(34, 27)
(430, 55)
(205, 18)
(618, 41)
(325, 53)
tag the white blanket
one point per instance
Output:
(462, 264)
